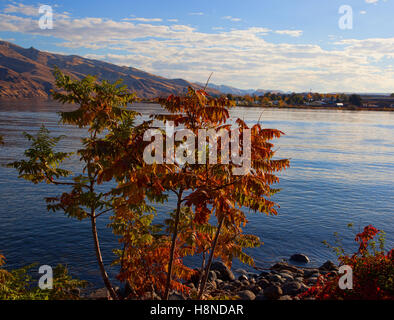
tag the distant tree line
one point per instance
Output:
(279, 99)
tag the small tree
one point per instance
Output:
(103, 111)
(154, 260)
(213, 188)
(355, 99)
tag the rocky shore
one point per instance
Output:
(282, 281)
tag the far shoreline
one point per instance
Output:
(353, 108)
(301, 107)
(291, 107)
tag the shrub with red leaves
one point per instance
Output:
(373, 272)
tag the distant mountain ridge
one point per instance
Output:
(27, 73)
(241, 92)
(237, 92)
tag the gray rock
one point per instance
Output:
(328, 266)
(228, 287)
(263, 283)
(252, 275)
(176, 296)
(255, 289)
(76, 292)
(312, 280)
(273, 292)
(154, 296)
(287, 277)
(304, 287)
(285, 298)
(280, 266)
(225, 273)
(288, 272)
(292, 288)
(246, 295)
(241, 271)
(275, 278)
(212, 285)
(299, 273)
(212, 276)
(245, 283)
(311, 273)
(299, 257)
(99, 294)
(261, 296)
(263, 274)
(243, 277)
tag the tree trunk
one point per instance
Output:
(99, 257)
(172, 252)
(202, 269)
(208, 267)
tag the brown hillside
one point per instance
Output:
(27, 73)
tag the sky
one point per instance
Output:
(290, 45)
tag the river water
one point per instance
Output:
(342, 171)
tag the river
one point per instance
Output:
(342, 171)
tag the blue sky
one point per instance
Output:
(267, 44)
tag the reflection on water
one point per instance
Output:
(342, 171)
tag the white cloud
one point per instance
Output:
(144, 19)
(32, 11)
(363, 12)
(375, 49)
(196, 13)
(371, 1)
(240, 57)
(232, 18)
(292, 33)
(25, 10)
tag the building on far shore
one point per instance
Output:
(370, 105)
(377, 101)
(316, 103)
